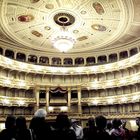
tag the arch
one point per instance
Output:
(32, 58)
(9, 54)
(21, 57)
(43, 60)
(56, 61)
(123, 55)
(90, 60)
(102, 59)
(68, 61)
(113, 57)
(133, 51)
(79, 61)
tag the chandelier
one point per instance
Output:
(63, 40)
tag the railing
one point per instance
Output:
(108, 115)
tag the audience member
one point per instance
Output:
(9, 133)
(22, 132)
(137, 134)
(127, 128)
(101, 133)
(77, 128)
(40, 127)
(62, 130)
(109, 127)
(90, 131)
(117, 133)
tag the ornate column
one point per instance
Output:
(27, 56)
(107, 58)
(79, 100)
(128, 52)
(123, 109)
(47, 99)
(50, 60)
(37, 59)
(62, 61)
(15, 54)
(36, 92)
(96, 60)
(4, 51)
(118, 57)
(69, 99)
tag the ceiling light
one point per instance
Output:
(123, 81)
(95, 102)
(7, 81)
(63, 41)
(135, 77)
(9, 62)
(21, 83)
(64, 108)
(123, 99)
(110, 101)
(109, 83)
(50, 108)
(79, 69)
(63, 70)
(6, 101)
(22, 65)
(21, 102)
(135, 97)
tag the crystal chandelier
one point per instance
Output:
(63, 40)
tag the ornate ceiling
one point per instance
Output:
(96, 24)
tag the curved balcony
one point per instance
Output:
(16, 101)
(102, 84)
(30, 68)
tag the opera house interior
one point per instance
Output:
(81, 57)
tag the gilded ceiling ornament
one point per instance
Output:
(82, 38)
(49, 6)
(98, 8)
(34, 1)
(98, 27)
(36, 33)
(25, 18)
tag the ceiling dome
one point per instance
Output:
(96, 25)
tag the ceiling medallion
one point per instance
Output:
(64, 19)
